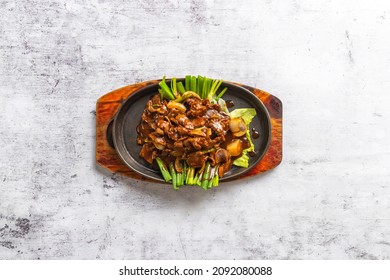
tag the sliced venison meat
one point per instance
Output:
(191, 131)
(196, 159)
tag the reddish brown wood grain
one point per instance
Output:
(108, 105)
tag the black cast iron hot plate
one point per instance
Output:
(124, 134)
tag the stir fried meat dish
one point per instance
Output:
(192, 132)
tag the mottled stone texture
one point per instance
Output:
(329, 62)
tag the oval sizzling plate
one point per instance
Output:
(129, 116)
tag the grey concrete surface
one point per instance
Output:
(328, 61)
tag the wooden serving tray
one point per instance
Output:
(108, 105)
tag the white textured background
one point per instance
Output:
(328, 61)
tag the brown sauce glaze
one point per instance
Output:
(229, 103)
(252, 153)
(255, 133)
